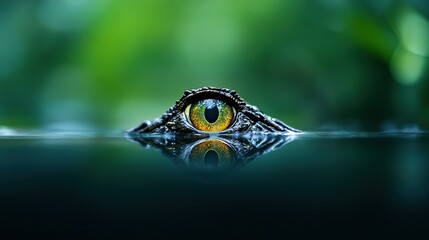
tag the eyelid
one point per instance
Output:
(231, 98)
(234, 114)
(187, 109)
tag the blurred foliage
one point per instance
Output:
(310, 63)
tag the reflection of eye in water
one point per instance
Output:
(213, 156)
(212, 153)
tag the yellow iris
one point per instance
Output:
(211, 153)
(210, 115)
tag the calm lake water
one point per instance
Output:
(333, 185)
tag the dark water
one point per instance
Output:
(342, 185)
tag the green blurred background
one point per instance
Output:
(313, 64)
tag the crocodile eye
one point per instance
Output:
(212, 110)
(210, 115)
(211, 153)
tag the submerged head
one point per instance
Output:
(213, 110)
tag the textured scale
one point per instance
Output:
(248, 118)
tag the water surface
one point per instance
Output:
(337, 185)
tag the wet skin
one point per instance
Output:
(212, 110)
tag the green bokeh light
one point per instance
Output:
(115, 63)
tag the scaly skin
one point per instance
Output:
(248, 118)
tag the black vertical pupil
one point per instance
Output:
(211, 114)
(211, 158)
